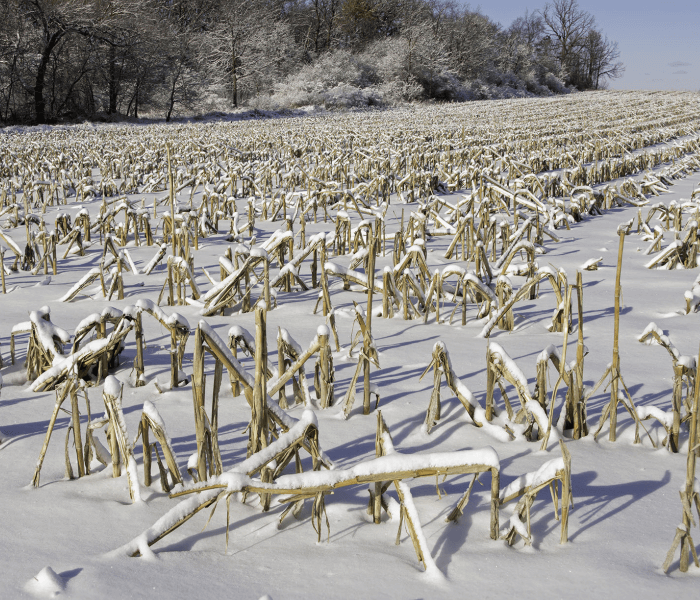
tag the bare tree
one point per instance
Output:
(473, 42)
(14, 52)
(568, 26)
(246, 42)
(528, 29)
(123, 41)
(364, 21)
(55, 21)
(601, 59)
(74, 58)
(324, 17)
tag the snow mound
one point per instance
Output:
(45, 584)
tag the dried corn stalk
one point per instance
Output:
(442, 365)
(528, 486)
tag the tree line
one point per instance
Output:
(74, 59)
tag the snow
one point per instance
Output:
(160, 314)
(509, 363)
(626, 504)
(237, 331)
(156, 258)
(67, 363)
(590, 262)
(430, 566)
(91, 274)
(48, 332)
(395, 462)
(177, 320)
(547, 471)
(226, 264)
(548, 352)
(665, 418)
(258, 253)
(113, 387)
(219, 287)
(664, 253)
(221, 347)
(109, 312)
(45, 584)
(289, 340)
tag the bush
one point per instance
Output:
(555, 84)
(378, 77)
(349, 96)
(336, 79)
(394, 91)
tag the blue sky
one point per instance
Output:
(659, 41)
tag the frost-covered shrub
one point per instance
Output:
(336, 79)
(483, 90)
(496, 84)
(395, 92)
(287, 97)
(512, 82)
(555, 84)
(349, 96)
(443, 85)
(387, 62)
(397, 70)
(534, 86)
(413, 67)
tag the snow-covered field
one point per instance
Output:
(626, 495)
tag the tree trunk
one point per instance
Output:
(234, 82)
(410, 50)
(112, 81)
(39, 106)
(131, 103)
(90, 97)
(10, 90)
(171, 102)
(318, 27)
(134, 100)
